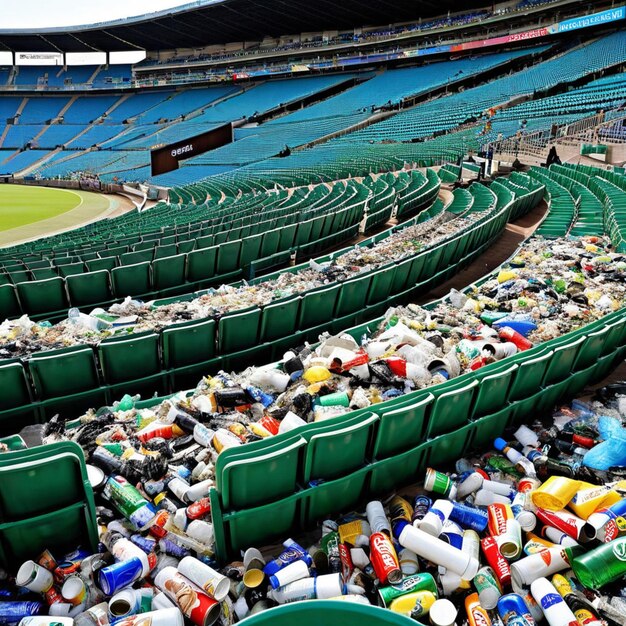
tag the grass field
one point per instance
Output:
(20, 205)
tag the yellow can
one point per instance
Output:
(415, 605)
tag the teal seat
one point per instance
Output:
(270, 242)
(337, 449)
(592, 349)
(43, 296)
(489, 427)
(451, 446)
(132, 258)
(396, 471)
(228, 257)
(9, 304)
(401, 427)
(529, 377)
(318, 307)
(16, 391)
(44, 273)
(187, 343)
(106, 263)
(162, 252)
(493, 389)
(328, 498)
(353, 295)
(451, 408)
(239, 331)
(168, 273)
(248, 480)
(131, 280)
(562, 363)
(64, 372)
(133, 358)
(89, 289)
(71, 269)
(278, 319)
(287, 237)
(250, 250)
(380, 285)
(401, 277)
(201, 264)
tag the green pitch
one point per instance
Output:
(21, 205)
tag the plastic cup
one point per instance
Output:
(328, 586)
(443, 613)
(34, 577)
(74, 590)
(437, 482)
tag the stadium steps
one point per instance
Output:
(38, 163)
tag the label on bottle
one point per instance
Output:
(549, 600)
(584, 616)
(619, 550)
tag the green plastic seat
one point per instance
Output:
(20, 276)
(287, 237)
(44, 273)
(132, 258)
(131, 280)
(71, 269)
(318, 306)
(451, 408)
(493, 390)
(201, 264)
(188, 342)
(489, 427)
(185, 247)
(398, 470)
(353, 295)
(529, 377)
(562, 363)
(228, 257)
(35, 514)
(169, 272)
(106, 263)
(43, 296)
(592, 349)
(64, 372)
(333, 496)
(337, 449)
(239, 331)
(270, 242)
(380, 285)
(132, 358)
(245, 481)
(89, 289)
(250, 250)
(9, 304)
(401, 427)
(164, 251)
(278, 319)
(417, 270)
(16, 391)
(451, 446)
(401, 277)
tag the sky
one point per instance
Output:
(48, 13)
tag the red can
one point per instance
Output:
(496, 561)
(199, 509)
(53, 596)
(347, 566)
(270, 424)
(384, 559)
(508, 334)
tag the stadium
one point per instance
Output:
(314, 313)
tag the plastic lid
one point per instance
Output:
(398, 527)
(500, 444)
(443, 613)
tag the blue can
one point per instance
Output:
(513, 611)
(119, 575)
(13, 612)
(470, 517)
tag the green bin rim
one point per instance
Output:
(328, 613)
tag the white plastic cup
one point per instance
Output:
(436, 517)
(502, 489)
(253, 558)
(74, 590)
(294, 571)
(290, 422)
(34, 577)
(485, 498)
(526, 436)
(328, 586)
(442, 613)
(471, 484)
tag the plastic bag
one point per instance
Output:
(612, 451)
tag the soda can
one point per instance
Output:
(488, 588)
(495, 559)
(409, 584)
(210, 581)
(346, 562)
(513, 611)
(191, 600)
(438, 482)
(421, 505)
(45, 559)
(13, 612)
(384, 559)
(470, 517)
(119, 575)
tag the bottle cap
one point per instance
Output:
(500, 444)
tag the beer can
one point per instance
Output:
(119, 575)
(513, 610)
(191, 600)
(409, 584)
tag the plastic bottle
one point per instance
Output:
(517, 458)
(377, 518)
(436, 517)
(584, 612)
(601, 565)
(556, 611)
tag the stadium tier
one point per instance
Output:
(255, 283)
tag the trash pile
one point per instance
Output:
(534, 529)
(23, 337)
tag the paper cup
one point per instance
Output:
(437, 482)
(74, 590)
(211, 582)
(328, 586)
(253, 577)
(34, 577)
(253, 559)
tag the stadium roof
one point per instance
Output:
(207, 22)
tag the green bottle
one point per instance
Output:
(602, 565)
